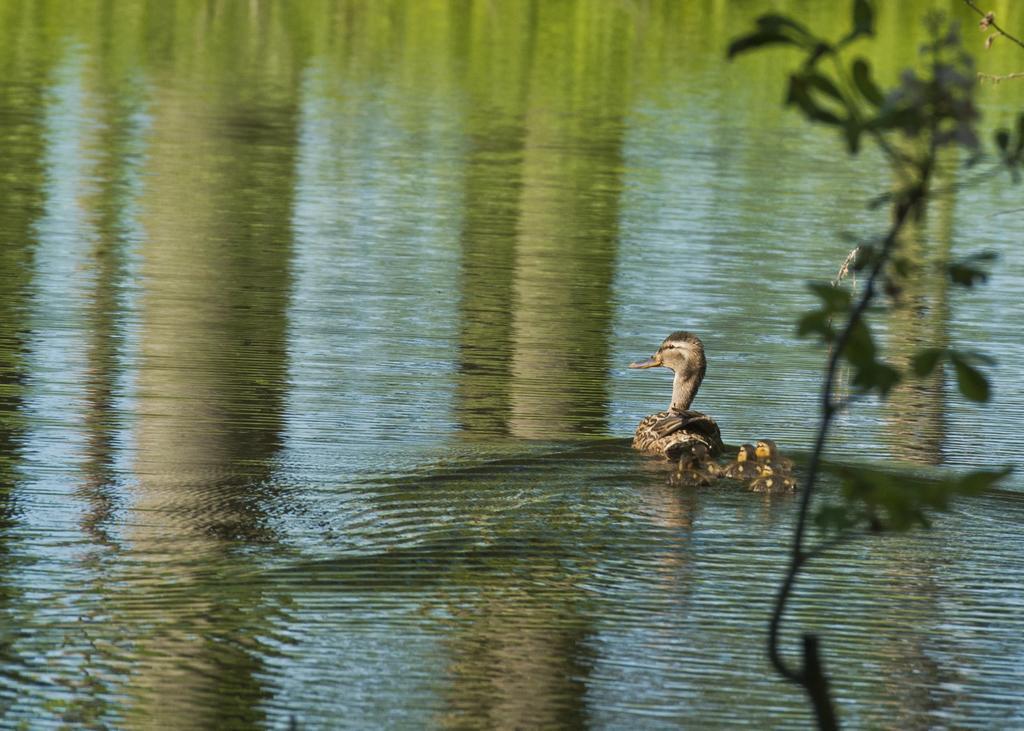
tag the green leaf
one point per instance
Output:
(835, 299)
(863, 18)
(822, 83)
(977, 482)
(972, 382)
(758, 39)
(860, 346)
(838, 517)
(816, 322)
(799, 94)
(924, 361)
(898, 499)
(876, 376)
(869, 373)
(775, 23)
(973, 356)
(966, 276)
(965, 273)
(865, 84)
(909, 119)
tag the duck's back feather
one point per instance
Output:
(670, 433)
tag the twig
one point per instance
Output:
(799, 556)
(844, 269)
(992, 23)
(995, 79)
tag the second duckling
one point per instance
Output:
(744, 467)
(768, 453)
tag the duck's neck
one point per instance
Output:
(684, 388)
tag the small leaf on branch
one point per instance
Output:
(775, 23)
(863, 18)
(900, 499)
(875, 375)
(816, 322)
(977, 482)
(972, 382)
(865, 84)
(821, 82)
(965, 273)
(973, 356)
(799, 94)
(925, 361)
(838, 518)
(835, 299)
(860, 345)
(758, 39)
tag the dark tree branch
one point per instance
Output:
(829, 407)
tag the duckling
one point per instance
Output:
(744, 467)
(696, 467)
(768, 453)
(669, 432)
(768, 481)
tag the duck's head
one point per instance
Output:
(747, 453)
(681, 351)
(766, 449)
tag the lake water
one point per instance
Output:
(314, 321)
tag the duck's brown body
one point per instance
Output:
(672, 433)
(669, 433)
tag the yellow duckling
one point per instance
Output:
(768, 481)
(768, 453)
(744, 467)
(696, 467)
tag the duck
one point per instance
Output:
(744, 467)
(768, 453)
(696, 466)
(768, 481)
(670, 433)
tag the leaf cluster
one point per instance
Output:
(966, 272)
(849, 98)
(897, 500)
(925, 111)
(868, 371)
(972, 382)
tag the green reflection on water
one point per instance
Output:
(207, 574)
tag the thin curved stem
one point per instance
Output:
(992, 23)
(798, 556)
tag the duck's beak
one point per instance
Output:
(651, 362)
